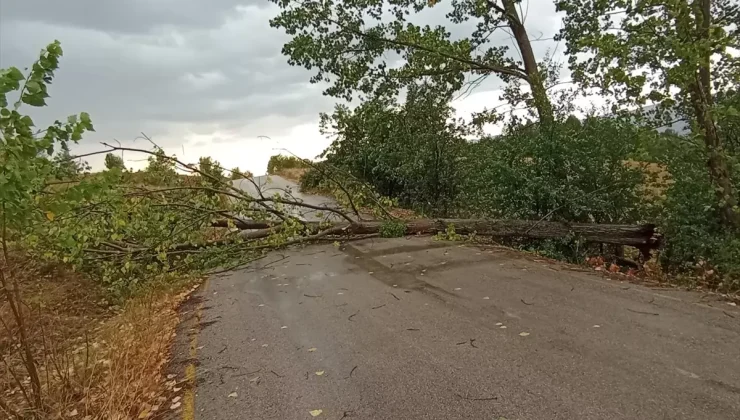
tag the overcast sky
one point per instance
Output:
(199, 77)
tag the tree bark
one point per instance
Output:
(641, 236)
(534, 78)
(717, 163)
(701, 101)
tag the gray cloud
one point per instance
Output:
(186, 72)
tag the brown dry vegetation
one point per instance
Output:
(657, 178)
(293, 174)
(95, 361)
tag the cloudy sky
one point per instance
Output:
(199, 77)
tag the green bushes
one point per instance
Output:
(564, 173)
(688, 216)
(278, 163)
(410, 152)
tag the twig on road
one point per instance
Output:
(394, 296)
(412, 329)
(312, 296)
(641, 312)
(526, 302)
(276, 374)
(728, 314)
(465, 397)
(350, 317)
(470, 341)
(378, 307)
(351, 372)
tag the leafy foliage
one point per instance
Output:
(392, 229)
(408, 152)
(349, 45)
(695, 239)
(682, 74)
(114, 162)
(278, 163)
(567, 172)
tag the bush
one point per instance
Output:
(392, 229)
(695, 239)
(278, 163)
(409, 152)
(568, 173)
(114, 162)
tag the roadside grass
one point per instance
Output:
(95, 360)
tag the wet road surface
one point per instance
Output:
(411, 328)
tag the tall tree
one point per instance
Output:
(675, 54)
(409, 151)
(114, 162)
(357, 46)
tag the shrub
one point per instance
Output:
(114, 162)
(688, 216)
(392, 229)
(565, 173)
(278, 163)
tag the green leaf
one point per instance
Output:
(33, 87)
(72, 119)
(33, 100)
(14, 74)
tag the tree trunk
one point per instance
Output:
(702, 101)
(641, 236)
(716, 161)
(534, 78)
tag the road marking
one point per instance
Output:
(188, 409)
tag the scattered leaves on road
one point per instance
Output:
(523, 334)
(503, 327)
(486, 298)
(499, 323)
(319, 373)
(232, 395)
(283, 327)
(312, 349)
(315, 413)
(597, 326)
(457, 288)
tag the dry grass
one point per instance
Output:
(657, 178)
(95, 361)
(293, 174)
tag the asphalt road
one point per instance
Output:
(270, 185)
(415, 329)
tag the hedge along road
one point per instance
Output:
(410, 328)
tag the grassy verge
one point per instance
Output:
(95, 360)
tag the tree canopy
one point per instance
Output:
(374, 48)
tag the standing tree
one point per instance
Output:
(408, 151)
(66, 166)
(675, 54)
(114, 162)
(361, 43)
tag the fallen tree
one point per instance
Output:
(253, 222)
(643, 237)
